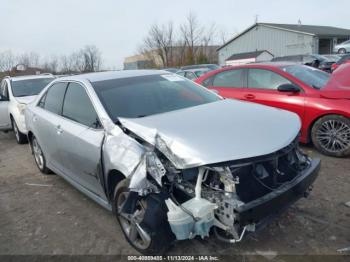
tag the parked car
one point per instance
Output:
(193, 74)
(172, 159)
(342, 48)
(333, 57)
(209, 66)
(314, 60)
(321, 100)
(15, 94)
(345, 59)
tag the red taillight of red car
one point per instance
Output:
(334, 66)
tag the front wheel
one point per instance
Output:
(39, 157)
(331, 135)
(147, 228)
(20, 137)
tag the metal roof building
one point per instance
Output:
(284, 39)
(249, 57)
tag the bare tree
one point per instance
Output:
(159, 41)
(31, 59)
(7, 61)
(191, 32)
(51, 64)
(92, 58)
(66, 64)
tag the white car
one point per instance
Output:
(15, 94)
(342, 48)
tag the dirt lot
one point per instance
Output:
(57, 219)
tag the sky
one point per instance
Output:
(117, 28)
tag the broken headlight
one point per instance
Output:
(155, 167)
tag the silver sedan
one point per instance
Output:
(170, 158)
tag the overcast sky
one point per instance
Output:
(56, 27)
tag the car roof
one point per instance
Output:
(109, 75)
(268, 64)
(19, 78)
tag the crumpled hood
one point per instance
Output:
(338, 86)
(217, 132)
(25, 99)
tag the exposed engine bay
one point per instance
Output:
(206, 198)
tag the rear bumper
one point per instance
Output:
(261, 209)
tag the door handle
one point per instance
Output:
(250, 96)
(34, 118)
(59, 130)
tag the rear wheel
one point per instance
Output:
(39, 157)
(147, 229)
(342, 51)
(20, 137)
(331, 135)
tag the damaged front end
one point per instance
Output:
(227, 198)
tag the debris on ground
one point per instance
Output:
(267, 254)
(346, 249)
(32, 184)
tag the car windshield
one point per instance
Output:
(309, 75)
(29, 87)
(148, 95)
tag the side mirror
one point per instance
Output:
(288, 88)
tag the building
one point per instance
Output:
(284, 39)
(137, 62)
(249, 57)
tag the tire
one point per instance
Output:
(331, 135)
(20, 137)
(39, 157)
(342, 51)
(152, 221)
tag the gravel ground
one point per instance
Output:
(57, 219)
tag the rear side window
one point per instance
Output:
(53, 99)
(230, 78)
(265, 79)
(77, 106)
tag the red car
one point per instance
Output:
(321, 100)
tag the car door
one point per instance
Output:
(80, 136)
(5, 121)
(262, 87)
(229, 83)
(44, 118)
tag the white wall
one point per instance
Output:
(278, 42)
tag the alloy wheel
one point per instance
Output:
(38, 154)
(334, 136)
(130, 223)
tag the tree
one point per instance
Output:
(191, 32)
(51, 64)
(66, 64)
(31, 59)
(159, 41)
(7, 61)
(91, 57)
